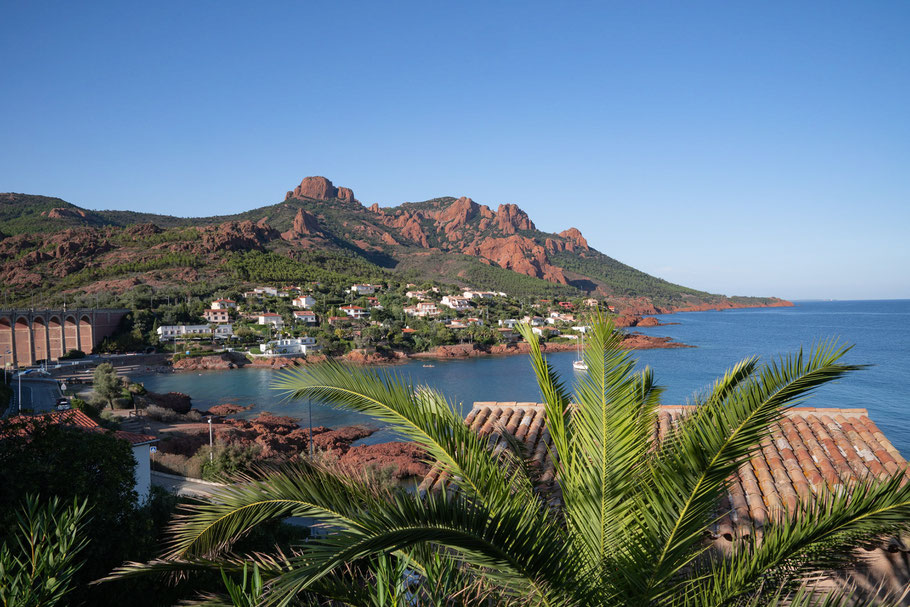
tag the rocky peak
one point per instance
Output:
(574, 235)
(320, 188)
(460, 212)
(374, 208)
(305, 224)
(64, 213)
(510, 219)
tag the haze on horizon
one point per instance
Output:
(744, 150)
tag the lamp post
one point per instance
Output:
(211, 447)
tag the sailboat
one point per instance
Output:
(579, 363)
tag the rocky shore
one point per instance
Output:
(234, 360)
(274, 438)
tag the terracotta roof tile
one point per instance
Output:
(810, 448)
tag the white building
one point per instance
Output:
(424, 308)
(534, 321)
(416, 294)
(287, 347)
(304, 301)
(456, 303)
(354, 311)
(508, 323)
(168, 332)
(363, 289)
(223, 331)
(307, 316)
(224, 304)
(270, 318)
(478, 294)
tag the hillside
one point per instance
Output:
(319, 232)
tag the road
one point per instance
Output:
(185, 487)
(38, 394)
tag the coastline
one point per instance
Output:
(235, 360)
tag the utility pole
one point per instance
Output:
(211, 446)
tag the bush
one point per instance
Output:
(228, 459)
(181, 465)
(162, 414)
(73, 355)
(123, 403)
(193, 416)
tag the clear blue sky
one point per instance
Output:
(740, 148)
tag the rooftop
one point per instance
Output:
(809, 449)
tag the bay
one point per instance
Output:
(879, 331)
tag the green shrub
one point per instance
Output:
(73, 355)
(125, 402)
(162, 414)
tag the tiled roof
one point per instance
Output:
(809, 449)
(75, 417)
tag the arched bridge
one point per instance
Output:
(30, 336)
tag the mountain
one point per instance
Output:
(321, 232)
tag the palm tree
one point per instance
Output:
(630, 524)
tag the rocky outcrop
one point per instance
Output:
(573, 235)
(305, 224)
(519, 254)
(320, 188)
(64, 213)
(404, 460)
(142, 230)
(237, 236)
(510, 219)
(410, 227)
(227, 409)
(225, 360)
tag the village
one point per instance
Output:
(291, 321)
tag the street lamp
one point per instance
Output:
(211, 447)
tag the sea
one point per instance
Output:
(879, 332)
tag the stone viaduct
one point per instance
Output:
(30, 336)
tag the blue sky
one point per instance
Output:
(740, 148)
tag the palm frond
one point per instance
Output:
(693, 464)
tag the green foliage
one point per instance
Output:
(38, 567)
(73, 355)
(228, 459)
(632, 518)
(73, 464)
(168, 260)
(106, 384)
(311, 266)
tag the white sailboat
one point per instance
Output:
(579, 363)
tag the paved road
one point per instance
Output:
(184, 487)
(40, 395)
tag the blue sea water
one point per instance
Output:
(879, 331)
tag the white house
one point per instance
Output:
(223, 331)
(478, 294)
(424, 308)
(270, 318)
(224, 304)
(304, 301)
(354, 311)
(416, 294)
(166, 332)
(363, 289)
(287, 347)
(508, 323)
(456, 303)
(534, 321)
(307, 316)
(544, 331)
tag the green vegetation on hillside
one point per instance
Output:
(168, 260)
(623, 280)
(314, 266)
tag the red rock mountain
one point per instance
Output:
(320, 188)
(449, 239)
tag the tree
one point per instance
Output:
(39, 566)
(106, 384)
(632, 515)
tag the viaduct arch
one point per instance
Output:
(30, 336)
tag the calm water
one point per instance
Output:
(880, 331)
